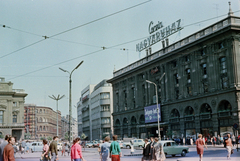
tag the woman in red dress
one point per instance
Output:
(199, 144)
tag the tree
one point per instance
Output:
(42, 138)
(66, 137)
(83, 136)
(49, 138)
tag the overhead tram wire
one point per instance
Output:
(68, 29)
(86, 44)
(103, 48)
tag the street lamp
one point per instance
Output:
(57, 99)
(70, 96)
(159, 133)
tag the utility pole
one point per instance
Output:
(56, 99)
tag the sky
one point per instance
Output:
(41, 35)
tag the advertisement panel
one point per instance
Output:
(151, 113)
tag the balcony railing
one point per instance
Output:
(189, 118)
(173, 120)
(205, 116)
(224, 113)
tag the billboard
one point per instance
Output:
(151, 113)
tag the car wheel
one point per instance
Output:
(183, 154)
(128, 146)
(140, 146)
(31, 150)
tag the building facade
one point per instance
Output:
(41, 122)
(95, 107)
(198, 94)
(11, 110)
(65, 128)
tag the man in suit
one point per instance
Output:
(2, 146)
(8, 152)
(53, 149)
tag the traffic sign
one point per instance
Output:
(235, 126)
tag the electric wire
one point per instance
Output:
(46, 37)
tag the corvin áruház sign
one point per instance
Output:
(158, 32)
(151, 113)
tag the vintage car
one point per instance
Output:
(172, 148)
(34, 146)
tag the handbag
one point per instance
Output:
(232, 151)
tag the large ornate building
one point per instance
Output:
(41, 122)
(11, 110)
(200, 92)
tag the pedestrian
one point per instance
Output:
(200, 146)
(63, 149)
(191, 141)
(105, 149)
(115, 151)
(154, 151)
(8, 152)
(132, 147)
(23, 149)
(229, 145)
(146, 150)
(76, 150)
(2, 146)
(45, 153)
(184, 141)
(159, 153)
(151, 148)
(67, 148)
(233, 140)
(53, 149)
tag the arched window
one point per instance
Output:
(44, 128)
(40, 129)
(117, 122)
(224, 106)
(40, 119)
(205, 109)
(125, 121)
(40, 111)
(133, 121)
(189, 111)
(142, 119)
(175, 113)
(14, 118)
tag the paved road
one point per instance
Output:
(211, 154)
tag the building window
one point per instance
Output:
(187, 58)
(14, 118)
(189, 90)
(188, 72)
(105, 95)
(204, 69)
(220, 45)
(205, 87)
(1, 117)
(105, 120)
(223, 71)
(176, 77)
(143, 94)
(14, 104)
(177, 93)
(202, 52)
(105, 108)
(40, 111)
(175, 64)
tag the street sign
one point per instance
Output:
(235, 126)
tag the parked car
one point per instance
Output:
(59, 146)
(89, 145)
(35, 146)
(95, 144)
(172, 148)
(138, 142)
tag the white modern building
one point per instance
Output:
(94, 111)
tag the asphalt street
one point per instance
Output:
(217, 153)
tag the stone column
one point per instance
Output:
(215, 123)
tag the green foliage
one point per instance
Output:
(66, 137)
(49, 138)
(42, 138)
(83, 136)
(1, 136)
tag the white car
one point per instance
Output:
(59, 146)
(34, 146)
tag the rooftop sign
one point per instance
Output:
(158, 32)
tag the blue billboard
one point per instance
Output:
(151, 113)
